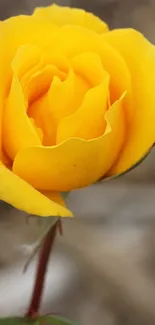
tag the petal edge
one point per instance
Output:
(23, 196)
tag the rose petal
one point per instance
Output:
(62, 99)
(36, 70)
(25, 30)
(2, 88)
(18, 131)
(21, 195)
(70, 16)
(60, 63)
(40, 112)
(88, 121)
(89, 66)
(65, 97)
(75, 163)
(72, 41)
(40, 82)
(54, 196)
(26, 58)
(139, 55)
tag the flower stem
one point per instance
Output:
(44, 254)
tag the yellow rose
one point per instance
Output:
(77, 103)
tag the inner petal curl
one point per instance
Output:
(62, 99)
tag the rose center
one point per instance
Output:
(53, 95)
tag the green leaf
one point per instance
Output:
(55, 320)
(18, 321)
(42, 320)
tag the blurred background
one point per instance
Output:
(102, 271)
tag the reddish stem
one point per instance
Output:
(60, 227)
(41, 271)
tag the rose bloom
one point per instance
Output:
(77, 104)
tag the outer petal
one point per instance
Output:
(25, 30)
(71, 16)
(15, 32)
(140, 58)
(75, 163)
(21, 195)
(18, 131)
(2, 76)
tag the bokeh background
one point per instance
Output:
(102, 271)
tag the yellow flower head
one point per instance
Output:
(77, 104)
